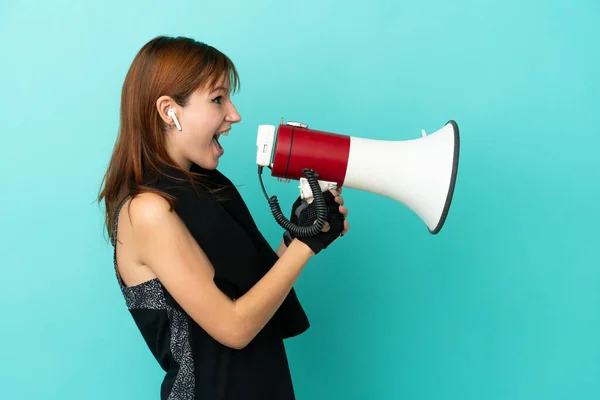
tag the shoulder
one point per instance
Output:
(152, 214)
(149, 210)
(154, 225)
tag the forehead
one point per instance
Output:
(220, 84)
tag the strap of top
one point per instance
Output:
(113, 239)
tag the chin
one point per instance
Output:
(208, 165)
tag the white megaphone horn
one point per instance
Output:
(419, 173)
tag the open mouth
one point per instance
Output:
(215, 140)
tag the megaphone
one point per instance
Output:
(419, 173)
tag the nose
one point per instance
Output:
(232, 115)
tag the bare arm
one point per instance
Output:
(165, 245)
(281, 249)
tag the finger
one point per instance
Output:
(339, 200)
(346, 227)
(344, 211)
(335, 192)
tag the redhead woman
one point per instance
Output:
(211, 298)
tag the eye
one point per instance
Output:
(217, 99)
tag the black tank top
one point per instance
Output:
(196, 366)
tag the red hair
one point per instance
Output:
(172, 66)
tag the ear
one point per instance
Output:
(163, 104)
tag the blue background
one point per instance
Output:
(502, 304)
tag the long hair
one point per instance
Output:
(172, 66)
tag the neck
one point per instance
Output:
(178, 158)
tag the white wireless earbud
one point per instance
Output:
(171, 113)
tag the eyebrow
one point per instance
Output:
(223, 88)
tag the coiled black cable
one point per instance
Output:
(320, 207)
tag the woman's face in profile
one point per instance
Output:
(208, 114)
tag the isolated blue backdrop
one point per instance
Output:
(503, 304)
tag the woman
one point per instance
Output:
(211, 298)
